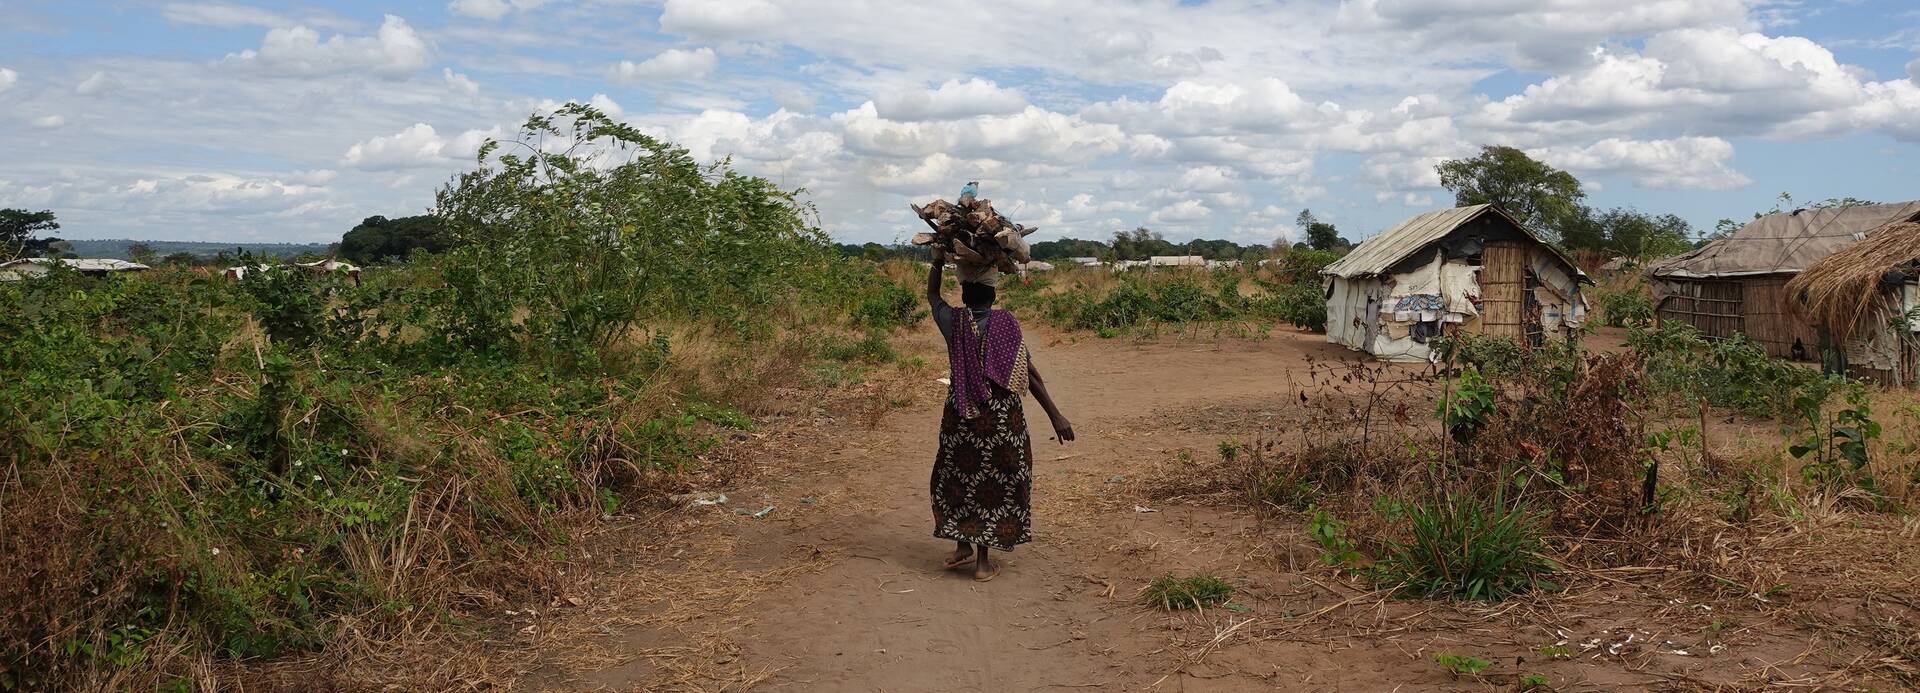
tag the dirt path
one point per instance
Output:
(886, 618)
(839, 588)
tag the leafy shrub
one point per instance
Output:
(397, 455)
(558, 255)
(1336, 549)
(887, 305)
(1836, 449)
(1626, 307)
(1488, 354)
(1467, 406)
(286, 302)
(1195, 592)
(1736, 373)
(1301, 304)
(1468, 545)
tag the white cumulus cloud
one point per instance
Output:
(1685, 163)
(671, 64)
(394, 51)
(459, 82)
(418, 146)
(951, 100)
(492, 9)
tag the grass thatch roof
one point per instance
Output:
(1837, 291)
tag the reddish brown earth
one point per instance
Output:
(839, 588)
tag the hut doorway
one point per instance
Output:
(1504, 294)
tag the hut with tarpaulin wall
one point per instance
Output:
(1470, 270)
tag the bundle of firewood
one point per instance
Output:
(973, 232)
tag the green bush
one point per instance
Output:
(1468, 545)
(1736, 373)
(1301, 304)
(887, 305)
(1626, 307)
(1490, 355)
(394, 455)
(1468, 405)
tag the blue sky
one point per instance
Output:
(289, 121)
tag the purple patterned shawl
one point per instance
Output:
(1005, 363)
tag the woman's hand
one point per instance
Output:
(1062, 429)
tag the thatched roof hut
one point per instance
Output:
(1738, 284)
(1866, 298)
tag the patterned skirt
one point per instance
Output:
(983, 475)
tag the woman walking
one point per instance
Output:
(983, 474)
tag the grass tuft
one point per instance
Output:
(1194, 592)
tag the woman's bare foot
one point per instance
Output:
(984, 570)
(961, 557)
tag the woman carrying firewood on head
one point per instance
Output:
(983, 473)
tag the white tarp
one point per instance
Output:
(1354, 319)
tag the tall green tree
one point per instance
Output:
(1140, 244)
(379, 239)
(141, 253)
(1626, 232)
(1539, 196)
(1071, 247)
(1319, 235)
(18, 228)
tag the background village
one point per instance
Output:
(553, 436)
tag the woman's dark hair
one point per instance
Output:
(976, 296)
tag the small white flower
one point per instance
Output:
(343, 452)
(216, 550)
(296, 463)
(316, 477)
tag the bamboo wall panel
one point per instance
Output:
(1772, 323)
(1755, 306)
(1503, 277)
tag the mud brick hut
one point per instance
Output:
(1738, 284)
(1468, 269)
(1864, 301)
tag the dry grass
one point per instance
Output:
(1742, 557)
(1839, 291)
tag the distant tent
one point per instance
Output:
(317, 267)
(1467, 269)
(1176, 261)
(31, 267)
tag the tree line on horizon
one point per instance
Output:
(1548, 201)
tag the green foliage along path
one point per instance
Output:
(203, 471)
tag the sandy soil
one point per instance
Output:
(839, 588)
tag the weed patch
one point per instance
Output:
(1194, 592)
